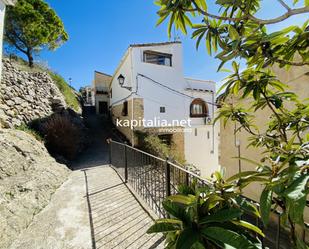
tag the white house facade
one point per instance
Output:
(100, 93)
(3, 4)
(149, 86)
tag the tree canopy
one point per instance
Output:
(32, 25)
(237, 33)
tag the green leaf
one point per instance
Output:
(161, 19)
(249, 226)
(186, 200)
(235, 66)
(297, 189)
(296, 210)
(170, 25)
(248, 207)
(202, 4)
(296, 195)
(222, 216)
(187, 239)
(211, 202)
(227, 238)
(165, 225)
(200, 38)
(233, 33)
(176, 210)
(208, 43)
(265, 205)
(241, 175)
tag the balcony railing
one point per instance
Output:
(154, 178)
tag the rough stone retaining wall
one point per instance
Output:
(28, 178)
(25, 96)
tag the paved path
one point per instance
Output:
(92, 209)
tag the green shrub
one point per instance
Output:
(208, 217)
(69, 95)
(152, 144)
(62, 136)
(30, 131)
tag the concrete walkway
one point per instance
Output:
(93, 209)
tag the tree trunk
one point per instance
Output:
(30, 58)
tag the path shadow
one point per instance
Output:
(116, 219)
(100, 129)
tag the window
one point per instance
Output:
(208, 134)
(158, 58)
(162, 109)
(101, 92)
(198, 109)
(195, 131)
(111, 93)
(125, 108)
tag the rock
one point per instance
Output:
(17, 100)
(16, 122)
(10, 113)
(9, 102)
(29, 176)
(27, 93)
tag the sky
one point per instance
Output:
(100, 31)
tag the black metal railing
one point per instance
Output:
(154, 179)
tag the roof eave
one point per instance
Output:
(153, 44)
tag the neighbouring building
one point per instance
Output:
(100, 90)
(149, 88)
(234, 145)
(88, 95)
(3, 4)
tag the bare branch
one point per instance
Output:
(284, 5)
(289, 13)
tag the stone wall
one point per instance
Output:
(138, 108)
(28, 178)
(25, 96)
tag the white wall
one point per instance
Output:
(125, 68)
(2, 12)
(154, 95)
(199, 150)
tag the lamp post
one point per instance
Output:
(121, 80)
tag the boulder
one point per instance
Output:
(28, 178)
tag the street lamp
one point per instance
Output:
(121, 80)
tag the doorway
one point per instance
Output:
(103, 107)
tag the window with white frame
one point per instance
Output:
(157, 58)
